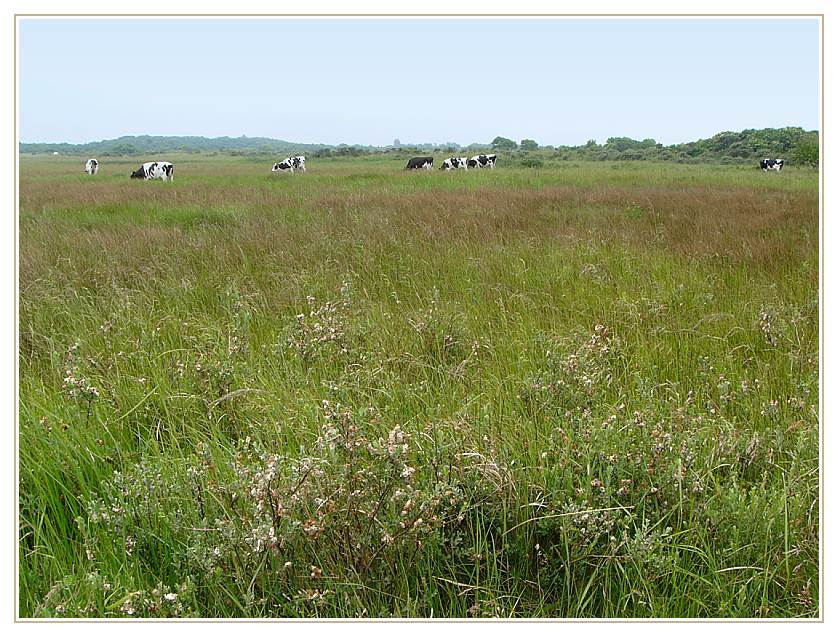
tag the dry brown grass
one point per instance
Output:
(742, 224)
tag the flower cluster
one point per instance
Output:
(575, 370)
(77, 386)
(161, 601)
(74, 383)
(323, 329)
(767, 328)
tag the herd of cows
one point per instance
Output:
(452, 163)
(166, 171)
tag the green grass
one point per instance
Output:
(605, 376)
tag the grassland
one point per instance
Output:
(589, 390)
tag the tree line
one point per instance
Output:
(790, 143)
(794, 144)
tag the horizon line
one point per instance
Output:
(401, 143)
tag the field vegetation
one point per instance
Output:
(575, 390)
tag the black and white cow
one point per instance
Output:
(453, 163)
(771, 164)
(290, 164)
(415, 163)
(91, 167)
(155, 170)
(481, 161)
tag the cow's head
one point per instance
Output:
(137, 174)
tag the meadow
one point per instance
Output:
(584, 390)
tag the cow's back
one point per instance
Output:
(419, 162)
(159, 170)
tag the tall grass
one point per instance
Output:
(589, 390)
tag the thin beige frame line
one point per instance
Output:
(823, 43)
(821, 547)
(421, 15)
(822, 357)
(15, 452)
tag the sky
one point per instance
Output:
(370, 81)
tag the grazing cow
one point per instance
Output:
(91, 167)
(155, 170)
(771, 164)
(453, 163)
(481, 161)
(415, 163)
(290, 164)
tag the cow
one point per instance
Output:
(155, 170)
(290, 164)
(481, 161)
(415, 163)
(771, 164)
(453, 163)
(91, 167)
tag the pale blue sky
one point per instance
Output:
(364, 81)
